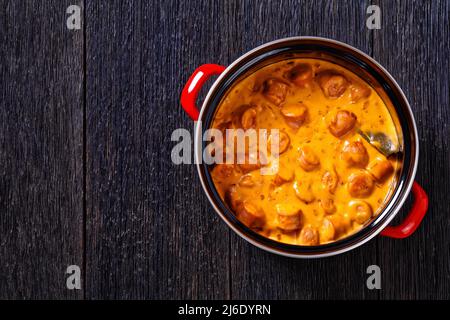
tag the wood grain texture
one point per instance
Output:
(41, 177)
(150, 231)
(413, 45)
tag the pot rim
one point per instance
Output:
(406, 187)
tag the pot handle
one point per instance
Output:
(193, 86)
(414, 217)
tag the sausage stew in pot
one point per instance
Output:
(330, 181)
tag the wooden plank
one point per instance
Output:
(413, 45)
(259, 275)
(150, 230)
(41, 176)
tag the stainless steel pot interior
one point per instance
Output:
(366, 68)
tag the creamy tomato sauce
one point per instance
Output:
(330, 182)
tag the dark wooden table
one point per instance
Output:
(86, 178)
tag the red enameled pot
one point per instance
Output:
(359, 63)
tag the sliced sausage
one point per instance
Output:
(341, 223)
(381, 169)
(308, 159)
(251, 161)
(360, 211)
(223, 170)
(283, 176)
(249, 167)
(246, 181)
(359, 91)
(250, 215)
(295, 114)
(330, 180)
(309, 236)
(332, 84)
(248, 119)
(342, 123)
(303, 191)
(289, 217)
(328, 205)
(360, 185)
(326, 231)
(301, 75)
(275, 91)
(283, 142)
(232, 198)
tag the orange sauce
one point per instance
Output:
(330, 181)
